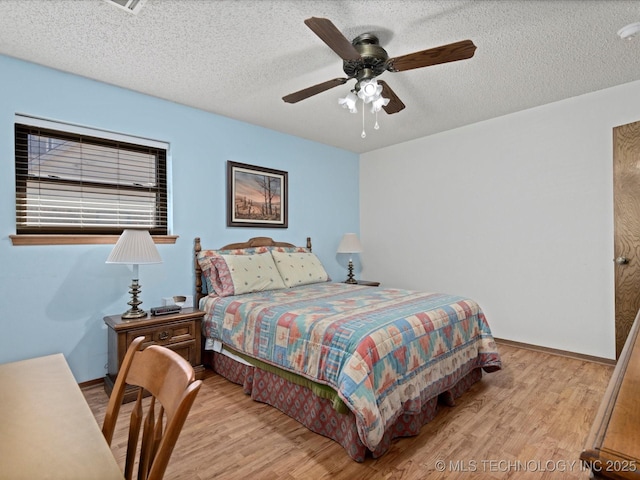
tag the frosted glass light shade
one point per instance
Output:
(377, 105)
(135, 247)
(350, 244)
(349, 102)
(369, 90)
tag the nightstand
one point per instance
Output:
(367, 283)
(181, 332)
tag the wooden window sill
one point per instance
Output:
(80, 239)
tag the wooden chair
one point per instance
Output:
(170, 380)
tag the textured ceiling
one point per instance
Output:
(238, 58)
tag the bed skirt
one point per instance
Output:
(318, 414)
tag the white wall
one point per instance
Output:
(515, 212)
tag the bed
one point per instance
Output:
(358, 364)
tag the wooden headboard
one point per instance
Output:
(252, 242)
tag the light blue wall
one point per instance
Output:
(54, 298)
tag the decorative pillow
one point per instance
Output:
(290, 249)
(297, 268)
(205, 259)
(238, 274)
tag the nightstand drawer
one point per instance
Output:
(186, 350)
(164, 335)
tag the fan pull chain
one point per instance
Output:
(363, 134)
(376, 126)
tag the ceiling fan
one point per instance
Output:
(364, 59)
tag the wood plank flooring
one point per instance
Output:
(527, 421)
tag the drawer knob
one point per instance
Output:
(163, 335)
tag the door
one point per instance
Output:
(626, 200)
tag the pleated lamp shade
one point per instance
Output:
(135, 247)
(350, 244)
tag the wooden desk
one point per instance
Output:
(612, 449)
(47, 430)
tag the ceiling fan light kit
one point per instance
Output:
(364, 60)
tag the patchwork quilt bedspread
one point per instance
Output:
(385, 351)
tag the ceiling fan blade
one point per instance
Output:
(395, 104)
(314, 90)
(432, 56)
(330, 35)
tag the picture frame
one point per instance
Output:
(256, 196)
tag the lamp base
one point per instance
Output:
(134, 312)
(350, 278)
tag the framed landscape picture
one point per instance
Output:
(256, 196)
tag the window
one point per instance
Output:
(81, 181)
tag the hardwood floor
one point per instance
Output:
(527, 421)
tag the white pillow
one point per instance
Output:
(299, 268)
(253, 273)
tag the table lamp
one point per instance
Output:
(134, 247)
(350, 244)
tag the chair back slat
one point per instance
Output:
(134, 432)
(158, 432)
(146, 447)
